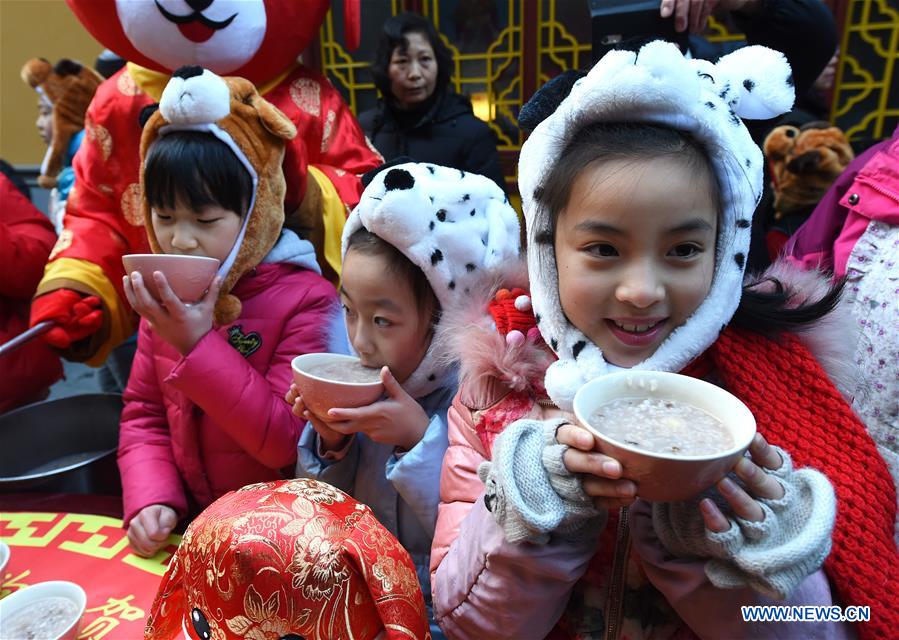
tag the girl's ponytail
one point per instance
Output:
(769, 308)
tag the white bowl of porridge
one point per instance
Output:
(331, 380)
(43, 611)
(674, 435)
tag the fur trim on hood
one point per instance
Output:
(468, 338)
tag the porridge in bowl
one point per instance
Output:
(662, 426)
(345, 371)
(42, 619)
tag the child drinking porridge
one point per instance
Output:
(638, 192)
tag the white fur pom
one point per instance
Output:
(196, 100)
(762, 80)
(563, 379)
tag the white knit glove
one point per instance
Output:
(772, 556)
(529, 490)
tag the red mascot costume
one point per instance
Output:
(257, 39)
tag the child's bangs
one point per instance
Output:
(196, 170)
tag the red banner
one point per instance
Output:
(91, 551)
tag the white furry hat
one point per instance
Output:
(658, 85)
(457, 227)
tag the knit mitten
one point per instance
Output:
(772, 556)
(529, 490)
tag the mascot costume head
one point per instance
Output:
(253, 39)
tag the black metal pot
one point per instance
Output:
(62, 446)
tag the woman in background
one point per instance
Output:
(418, 115)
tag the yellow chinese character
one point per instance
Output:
(120, 607)
(98, 628)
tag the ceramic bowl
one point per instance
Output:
(663, 477)
(188, 276)
(18, 600)
(320, 394)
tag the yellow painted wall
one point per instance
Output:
(33, 29)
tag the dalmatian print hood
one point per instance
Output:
(658, 85)
(457, 227)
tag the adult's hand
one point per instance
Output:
(694, 14)
(76, 316)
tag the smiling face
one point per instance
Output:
(412, 71)
(385, 321)
(635, 251)
(209, 232)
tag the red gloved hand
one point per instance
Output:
(76, 316)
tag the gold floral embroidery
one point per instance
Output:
(99, 135)
(261, 621)
(324, 494)
(63, 242)
(225, 554)
(317, 565)
(306, 94)
(371, 148)
(127, 86)
(328, 130)
(130, 204)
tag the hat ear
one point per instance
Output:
(273, 118)
(36, 71)
(547, 99)
(761, 82)
(780, 142)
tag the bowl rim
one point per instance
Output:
(98, 455)
(43, 586)
(342, 356)
(172, 256)
(5, 555)
(739, 447)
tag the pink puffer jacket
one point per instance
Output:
(198, 426)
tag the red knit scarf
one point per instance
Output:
(798, 408)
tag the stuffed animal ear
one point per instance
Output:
(780, 141)
(36, 71)
(761, 82)
(66, 67)
(146, 113)
(273, 118)
(547, 99)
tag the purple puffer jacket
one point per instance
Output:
(198, 426)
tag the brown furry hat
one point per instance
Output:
(231, 109)
(70, 87)
(804, 162)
